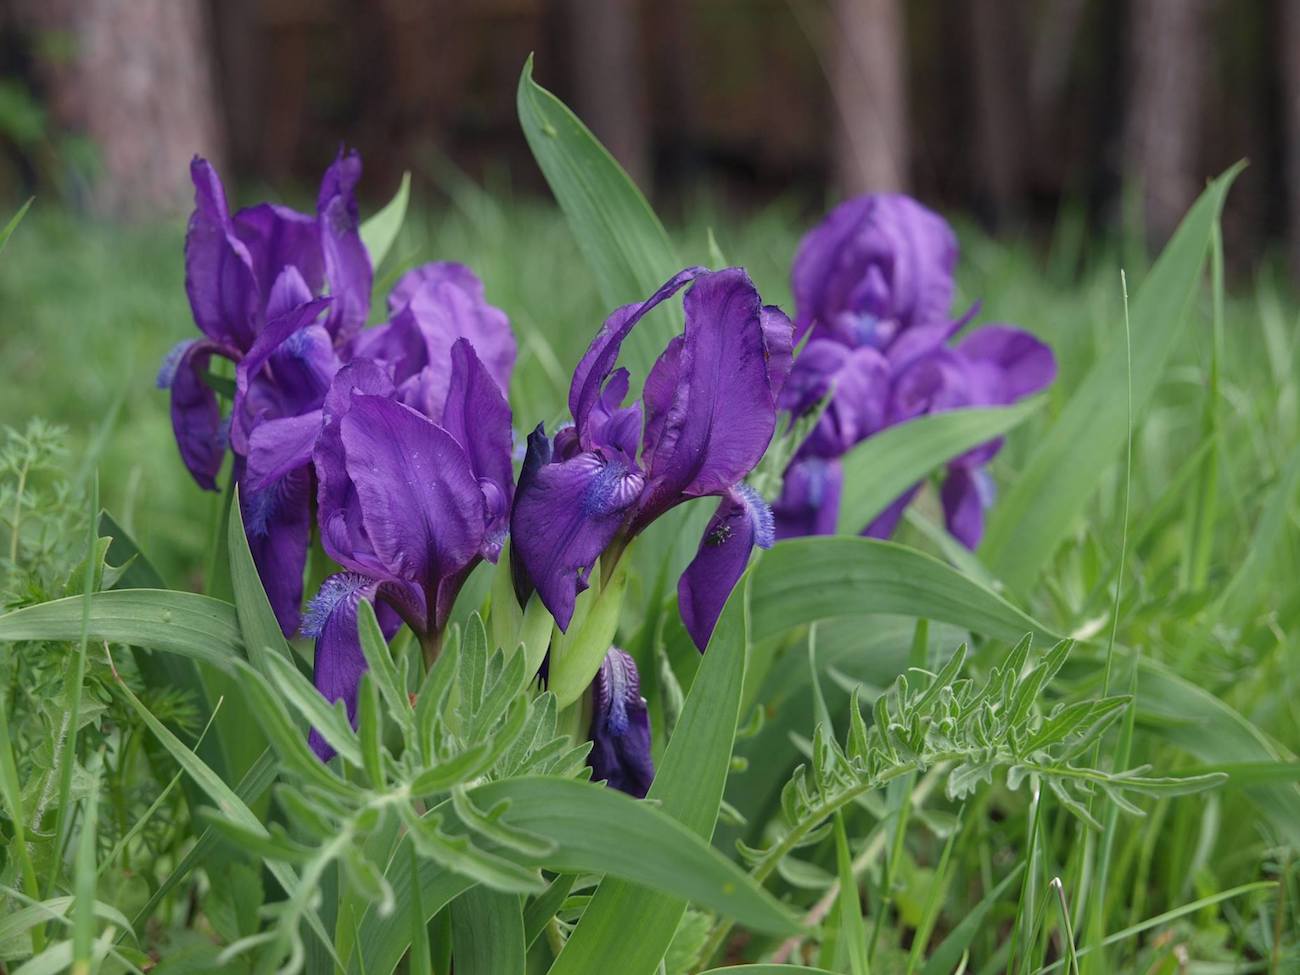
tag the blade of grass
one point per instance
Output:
(66, 745)
(852, 928)
(84, 882)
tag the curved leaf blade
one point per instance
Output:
(1051, 492)
(882, 467)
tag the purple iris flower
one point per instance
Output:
(620, 727)
(706, 416)
(255, 281)
(877, 266)
(414, 489)
(874, 282)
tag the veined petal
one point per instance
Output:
(347, 265)
(305, 366)
(343, 533)
(478, 417)
(860, 379)
(277, 521)
(421, 505)
(537, 456)
(278, 237)
(810, 498)
(276, 447)
(723, 412)
(620, 727)
(778, 343)
(219, 278)
(598, 361)
(876, 266)
(742, 521)
(565, 515)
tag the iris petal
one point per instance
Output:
(620, 727)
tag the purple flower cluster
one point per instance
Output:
(873, 284)
(394, 443)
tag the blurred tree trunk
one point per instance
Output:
(1290, 59)
(608, 80)
(868, 51)
(138, 82)
(1002, 117)
(1167, 52)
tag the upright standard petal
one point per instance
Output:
(620, 727)
(219, 278)
(478, 418)
(536, 456)
(306, 367)
(347, 265)
(342, 530)
(742, 521)
(860, 380)
(564, 516)
(723, 413)
(876, 266)
(278, 237)
(421, 505)
(778, 343)
(598, 361)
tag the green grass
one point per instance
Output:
(1208, 593)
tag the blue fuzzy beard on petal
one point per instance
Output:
(332, 591)
(760, 515)
(171, 362)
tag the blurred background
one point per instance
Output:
(1063, 138)
(1008, 110)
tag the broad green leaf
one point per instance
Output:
(882, 467)
(379, 231)
(797, 582)
(1049, 496)
(1248, 585)
(487, 929)
(809, 579)
(594, 830)
(619, 235)
(257, 622)
(184, 623)
(167, 670)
